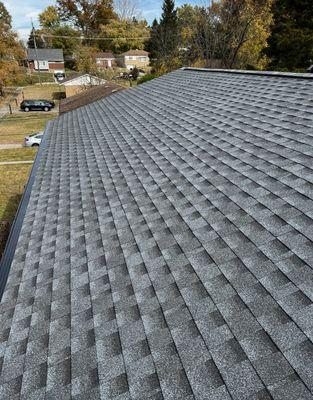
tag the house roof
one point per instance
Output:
(88, 96)
(135, 53)
(104, 54)
(80, 75)
(166, 249)
(45, 54)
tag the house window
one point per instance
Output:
(143, 59)
(42, 64)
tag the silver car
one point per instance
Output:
(33, 140)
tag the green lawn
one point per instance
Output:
(22, 154)
(13, 128)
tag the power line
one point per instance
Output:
(90, 38)
(36, 53)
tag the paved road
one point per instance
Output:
(10, 146)
(15, 162)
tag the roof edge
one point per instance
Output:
(252, 72)
(10, 247)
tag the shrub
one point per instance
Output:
(146, 78)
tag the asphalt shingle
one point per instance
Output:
(166, 250)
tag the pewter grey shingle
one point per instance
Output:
(45, 54)
(166, 250)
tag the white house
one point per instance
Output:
(79, 83)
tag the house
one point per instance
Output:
(79, 83)
(134, 58)
(88, 96)
(105, 60)
(164, 250)
(46, 60)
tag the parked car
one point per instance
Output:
(59, 76)
(49, 101)
(33, 140)
(36, 105)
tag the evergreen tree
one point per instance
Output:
(151, 45)
(164, 40)
(39, 41)
(168, 29)
(291, 40)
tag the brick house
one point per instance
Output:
(105, 60)
(49, 60)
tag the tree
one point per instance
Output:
(55, 33)
(86, 15)
(127, 9)
(135, 73)
(66, 38)
(11, 51)
(240, 21)
(85, 59)
(40, 41)
(5, 18)
(49, 18)
(252, 52)
(165, 39)
(291, 39)
(152, 44)
(125, 34)
(227, 34)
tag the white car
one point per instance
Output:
(33, 140)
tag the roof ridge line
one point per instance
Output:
(252, 72)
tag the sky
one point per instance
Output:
(23, 10)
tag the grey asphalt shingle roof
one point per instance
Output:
(45, 54)
(166, 251)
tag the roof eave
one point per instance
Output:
(252, 72)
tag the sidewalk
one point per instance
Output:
(5, 146)
(15, 162)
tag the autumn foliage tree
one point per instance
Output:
(11, 51)
(125, 35)
(86, 15)
(73, 25)
(228, 34)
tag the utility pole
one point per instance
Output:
(36, 52)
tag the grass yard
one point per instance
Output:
(22, 154)
(13, 178)
(12, 182)
(13, 128)
(46, 92)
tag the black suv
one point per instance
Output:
(36, 105)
